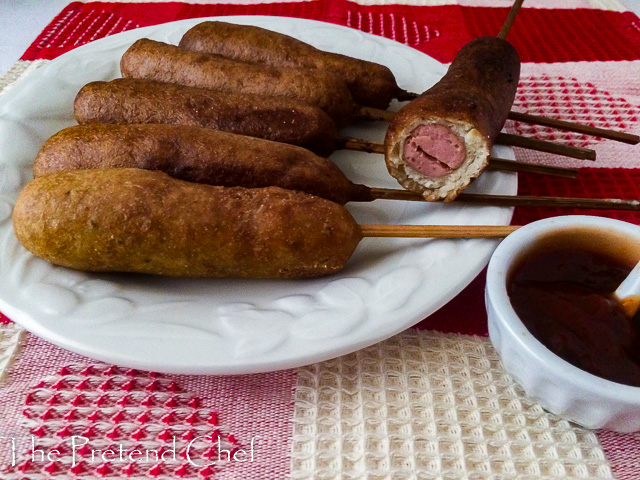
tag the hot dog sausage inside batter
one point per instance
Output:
(434, 150)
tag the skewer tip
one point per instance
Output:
(404, 96)
(506, 26)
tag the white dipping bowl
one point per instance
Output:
(558, 386)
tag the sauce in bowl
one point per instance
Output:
(561, 289)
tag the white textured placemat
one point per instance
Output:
(430, 405)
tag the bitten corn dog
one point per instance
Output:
(439, 142)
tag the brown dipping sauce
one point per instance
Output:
(562, 289)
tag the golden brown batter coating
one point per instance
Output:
(167, 63)
(479, 87)
(128, 100)
(370, 83)
(132, 220)
(198, 155)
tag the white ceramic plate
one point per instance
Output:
(234, 326)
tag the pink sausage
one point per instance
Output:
(434, 150)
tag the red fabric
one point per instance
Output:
(574, 100)
(623, 452)
(464, 315)
(540, 35)
(591, 182)
(110, 406)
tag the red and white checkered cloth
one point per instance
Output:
(432, 402)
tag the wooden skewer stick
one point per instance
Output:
(403, 95)
(575, 127)
(548, 147)
(506, 26)
(558, 202)
(438, 231)
(511, 166)
(360, 145)
(376, 114)
(516, 201)
(368, 146)
(378, 193)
